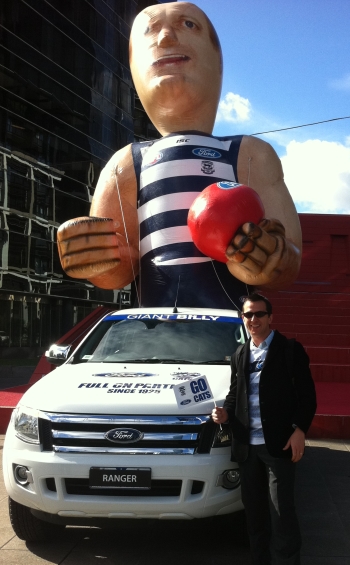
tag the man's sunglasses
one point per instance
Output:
(259, 314)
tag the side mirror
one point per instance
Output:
(57, 354)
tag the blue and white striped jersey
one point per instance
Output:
(171, 172)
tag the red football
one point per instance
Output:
(218, 212)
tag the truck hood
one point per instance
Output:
(110, 388)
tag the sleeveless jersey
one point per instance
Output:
(171, 172)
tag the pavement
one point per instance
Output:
(323, 503)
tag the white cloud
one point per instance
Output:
(234, 108)
(317, 174)
(342, 83)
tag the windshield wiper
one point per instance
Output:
(214, 362)
(154, 360)
(141, 360)
(184, 361)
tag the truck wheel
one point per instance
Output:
(29, 528)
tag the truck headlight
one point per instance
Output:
(26, 424)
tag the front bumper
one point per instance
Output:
(55, 477)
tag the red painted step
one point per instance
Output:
(315, 310)
(323, 372)
(329, 427)
(338, 355)
(306, 328)
(333, 399)
(303, 311)
(317, 319)
(318, 340)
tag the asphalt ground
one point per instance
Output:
(323, 503)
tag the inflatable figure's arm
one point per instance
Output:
(103, 247)
(269, 254)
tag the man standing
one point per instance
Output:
(270, 406)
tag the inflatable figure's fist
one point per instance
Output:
(88, 246)
(262, 255)
(218, 212)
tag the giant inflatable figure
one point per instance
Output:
(138, 227)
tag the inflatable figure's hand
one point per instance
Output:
(260, 255)
(88, 246)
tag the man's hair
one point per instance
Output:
(255, 297)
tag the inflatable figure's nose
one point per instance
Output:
(167, 36)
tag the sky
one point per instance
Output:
(286, 64)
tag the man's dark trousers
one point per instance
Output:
(268, 496)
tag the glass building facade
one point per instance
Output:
(67, 104)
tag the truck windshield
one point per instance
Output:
(120, 340)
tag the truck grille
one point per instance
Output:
(159, 435)
(158, 488)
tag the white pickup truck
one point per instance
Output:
(103, 436)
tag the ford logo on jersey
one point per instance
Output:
(206, 153)
(124, 435)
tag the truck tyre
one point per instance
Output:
(29, 528)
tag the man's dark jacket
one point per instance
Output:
(286, 393)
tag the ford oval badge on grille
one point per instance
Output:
(124, 435)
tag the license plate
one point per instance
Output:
(120, 477)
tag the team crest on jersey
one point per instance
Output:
(152, 159)
(207, 167)
(206, 153)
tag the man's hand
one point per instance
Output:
(219, 415)
(88, 246)
(260, 255)
(297, 443)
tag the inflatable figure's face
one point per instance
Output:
(176, 63)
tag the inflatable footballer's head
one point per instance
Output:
(176, 64)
